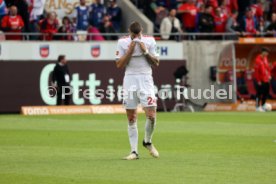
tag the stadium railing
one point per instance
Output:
(180, 36)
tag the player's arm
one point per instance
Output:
(124, 59)
(151, 58)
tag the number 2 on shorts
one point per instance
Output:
(150, 101)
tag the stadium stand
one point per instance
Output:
(253, 17)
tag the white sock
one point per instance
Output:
(149, 127)
(133, 136)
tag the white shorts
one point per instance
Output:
(138, 89)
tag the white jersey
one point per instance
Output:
(138, 63)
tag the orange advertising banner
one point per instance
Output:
(246, 106)
(73, 109)
(257, 40)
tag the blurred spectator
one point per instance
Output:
(49, 26)
(159, 12)
(199, 3)
(82, 14)
(189, 13)
(271, 29)
(206, 20)
(98, 11)
(257, 10)
(232, 25)
(261, 28)
(249, 23)
(36, 9)
(107, 27)
(243, 6)
(95, 34)
(213, 3)
(170, 24)
(232, 4)
(13, 23)
(201, 10)
(22, 8)
(3, 9)
(220, 21)
(67, 27)
(225, 9)
(115, 14)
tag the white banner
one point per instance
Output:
(28, 51)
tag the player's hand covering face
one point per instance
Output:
(142, 46)
(132, 46)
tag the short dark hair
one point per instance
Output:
(66, 18)
(61, 57)
(170, 9)
(135, 27)
(265, 49)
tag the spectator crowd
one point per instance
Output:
(29, 16)
(238, 17)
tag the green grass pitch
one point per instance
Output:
(195, 148)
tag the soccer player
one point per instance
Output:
(136, 53)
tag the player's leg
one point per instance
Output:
(149, 129)
(148, 101)
(150, 123)
(132, 133)
(130, 102)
